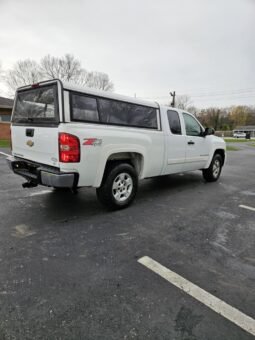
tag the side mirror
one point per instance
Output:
(208, 131)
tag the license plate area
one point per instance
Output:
(25, 169)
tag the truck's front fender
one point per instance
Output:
(215, 149)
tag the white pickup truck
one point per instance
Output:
(65, 136)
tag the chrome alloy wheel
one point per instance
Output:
(216, 168)
(122, 187)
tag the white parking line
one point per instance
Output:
(43, 192)
(246, 207)
(234, 315)
(4, 154)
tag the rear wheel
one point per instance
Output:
(212, 174)
(119, 186)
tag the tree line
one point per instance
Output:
(66, 68)
(224, 119)
(221, 119)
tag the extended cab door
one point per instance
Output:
(197, 148)
(175, 143)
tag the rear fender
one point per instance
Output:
(110, 152)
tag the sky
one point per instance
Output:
(201, 48)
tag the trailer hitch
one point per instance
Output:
(29, 184)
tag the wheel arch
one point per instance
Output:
(221, 152)
(134, 158)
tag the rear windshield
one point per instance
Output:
(35, 106)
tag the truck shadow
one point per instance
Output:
(170, 184)
(64, 205)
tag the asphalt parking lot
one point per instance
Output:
(69, 269)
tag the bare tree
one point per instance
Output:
(183, 102)
(239, 115)
(193, 109)
(97, 80)
(23, 73)
(214, 116)
(211, 117)
(66, 68)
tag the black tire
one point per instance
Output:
(212, 174)
(114, 174)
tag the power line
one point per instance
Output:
(223, 100)
(230, 93)
(249, 92)
(210, 90)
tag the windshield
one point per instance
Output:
(38, 105)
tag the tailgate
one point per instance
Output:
(35, 122)
(38, 144)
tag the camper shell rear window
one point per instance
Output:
(35, 106)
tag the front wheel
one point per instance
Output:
(119, 186)
(212, 174)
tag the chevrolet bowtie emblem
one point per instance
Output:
(30, 143)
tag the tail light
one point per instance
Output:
(69, 148)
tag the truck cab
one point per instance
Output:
(188, 145)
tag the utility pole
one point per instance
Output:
(172, 94)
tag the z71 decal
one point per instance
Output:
(92, 142)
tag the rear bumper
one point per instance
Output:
(41, 174)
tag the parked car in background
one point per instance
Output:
(237, 134)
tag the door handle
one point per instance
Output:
(191, 142)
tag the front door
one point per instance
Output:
(197, 148)
(175, 144)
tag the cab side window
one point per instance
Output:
(174, 122)
(84, 108)
(192, 126)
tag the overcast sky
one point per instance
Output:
(203, 48)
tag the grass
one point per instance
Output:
(249, 142)
(237, 140)
(232, 148)
(4, 143)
